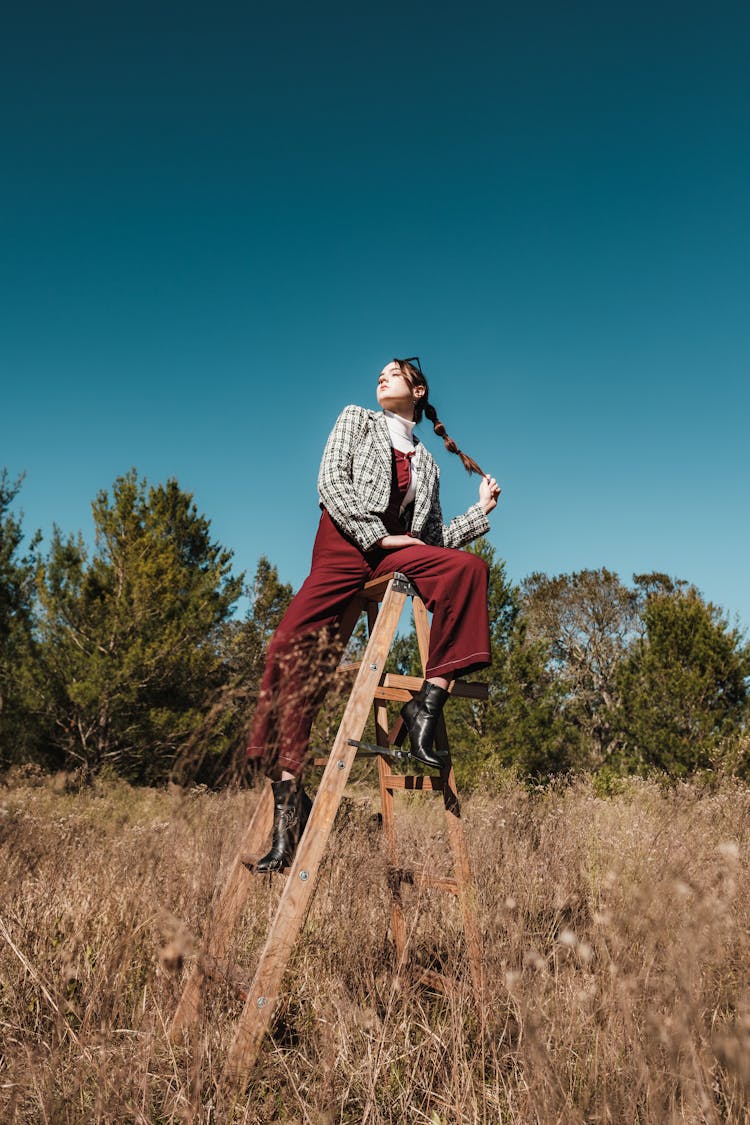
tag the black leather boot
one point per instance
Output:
(291, 808)
(420, 715)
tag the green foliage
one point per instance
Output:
(528, 729)
(520, 726)
(244, 645)
(683, 685)
(248, 640)
(17, 653)
(586, 620)
(126, 659)
(130, 636)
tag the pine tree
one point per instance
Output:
(18, 732)
(130, 635)
(684, 686)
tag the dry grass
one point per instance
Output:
(616, 936)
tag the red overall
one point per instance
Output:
(305, 651)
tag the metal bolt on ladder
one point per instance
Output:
(372, 688)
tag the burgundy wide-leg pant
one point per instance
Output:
(304, 650)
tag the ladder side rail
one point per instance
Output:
(228, 904)
(422, 629)
(225, 912)
(462, 872)
(398, 924)
(264, 990)
(456, 835)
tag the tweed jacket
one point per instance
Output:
(354, 484)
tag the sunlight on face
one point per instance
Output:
(393, 390)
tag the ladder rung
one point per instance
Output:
(460, 688)
(421, 878)
(438, 981)
(394, 694)
(395, 686)
(412, 782)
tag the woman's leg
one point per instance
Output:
(304, 653)
(301, 659)
(453, 585)
(295, 681)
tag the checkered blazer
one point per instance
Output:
(354, 483)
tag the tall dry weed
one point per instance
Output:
(616, 948)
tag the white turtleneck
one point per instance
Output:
(401, 433)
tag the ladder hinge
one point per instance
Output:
(370, 750)
(402, 585)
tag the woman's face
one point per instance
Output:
(395, 393)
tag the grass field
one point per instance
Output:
(617, 934)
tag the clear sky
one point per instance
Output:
(218, 221)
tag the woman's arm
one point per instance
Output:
(394, 542)
(464, 528)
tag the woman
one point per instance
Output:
(381, 512)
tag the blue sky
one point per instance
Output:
(218, 222)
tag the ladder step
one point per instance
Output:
(461, 689)
(411, 782)
(437, 981)
(394, 694)
(394, 685)
(420, 878)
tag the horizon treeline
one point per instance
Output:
(127, 657)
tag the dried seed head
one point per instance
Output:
(533, 958)
(171, 956)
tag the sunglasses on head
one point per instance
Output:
(414, 361)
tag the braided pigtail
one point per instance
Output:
(412, 370)
(468, 462)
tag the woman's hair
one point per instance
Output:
(412, 372)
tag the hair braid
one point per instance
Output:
(415, 377)
(468, 462)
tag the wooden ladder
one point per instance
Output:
(372, 687)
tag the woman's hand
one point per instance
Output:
(489, 490)
(393, 542)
